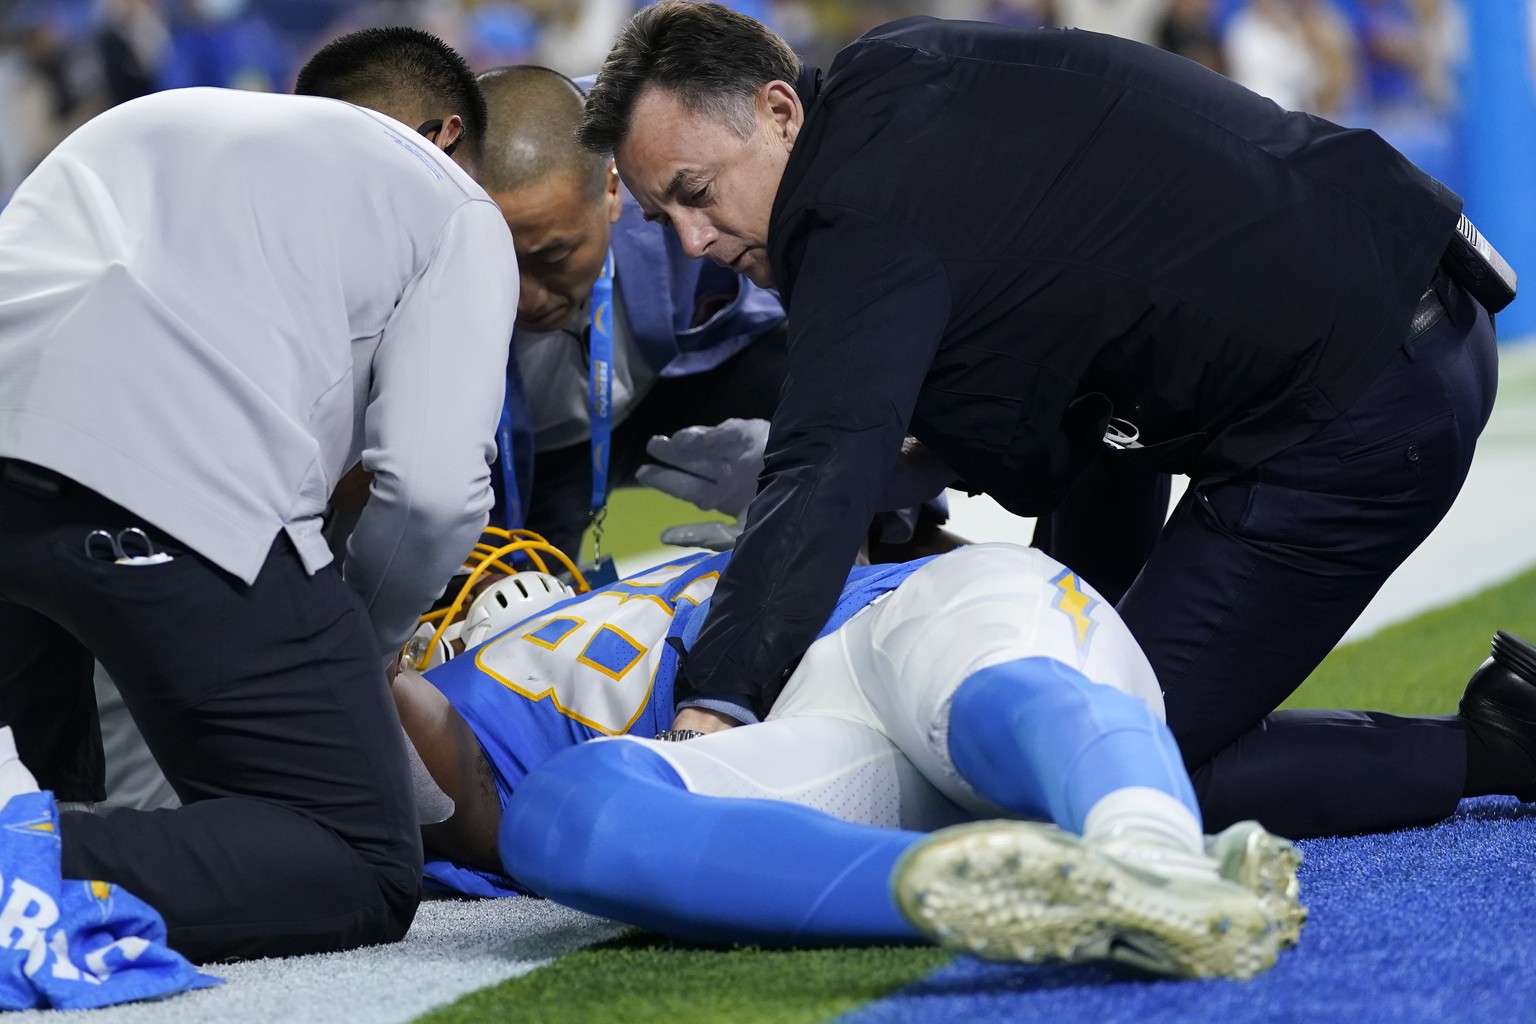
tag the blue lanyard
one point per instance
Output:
(514, 443)
(600, 386)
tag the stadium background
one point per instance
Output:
(1447, 81)
(1428, 925)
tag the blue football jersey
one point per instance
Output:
(597, 664)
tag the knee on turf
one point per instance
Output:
(396, 870)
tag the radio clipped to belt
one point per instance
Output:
(1478, 268)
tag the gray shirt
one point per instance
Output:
(556, 364)
(213, 303)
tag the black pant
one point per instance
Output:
(1126, 507)
(265, 705)
(746, 386)
(1255, 579)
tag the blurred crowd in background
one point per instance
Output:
(1388, 64)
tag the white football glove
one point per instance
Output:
(712, 467)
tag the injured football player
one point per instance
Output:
(971, 754)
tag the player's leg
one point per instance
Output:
(998, 657)
(703, 864)
(1037, 737)
(725, 869)
(727, 838)
(972, 666)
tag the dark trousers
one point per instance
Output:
(1126, 505)
(265, 705)
(1255, 579)
(746, 386)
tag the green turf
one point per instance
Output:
(1418, 667)
(646, 980)
(636, 517)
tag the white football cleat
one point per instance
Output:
(1265, 865)
(1030, 892)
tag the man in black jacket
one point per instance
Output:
(1051, 253)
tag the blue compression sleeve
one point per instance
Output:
(608, 828)
(1037, 737)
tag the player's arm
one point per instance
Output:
(453, 757)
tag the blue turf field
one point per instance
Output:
(1428, 925)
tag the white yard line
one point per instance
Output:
(455, 947)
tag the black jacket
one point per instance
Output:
(995, 240)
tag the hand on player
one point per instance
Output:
(703, 720)
(713, 467)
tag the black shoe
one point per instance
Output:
(1499, 708)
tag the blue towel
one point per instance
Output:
(73, 945)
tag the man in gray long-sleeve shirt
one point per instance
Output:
(214, 303)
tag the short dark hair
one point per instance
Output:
(712, 59)
(398, 71)
(530, 133)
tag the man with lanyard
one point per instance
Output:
(620, 336)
